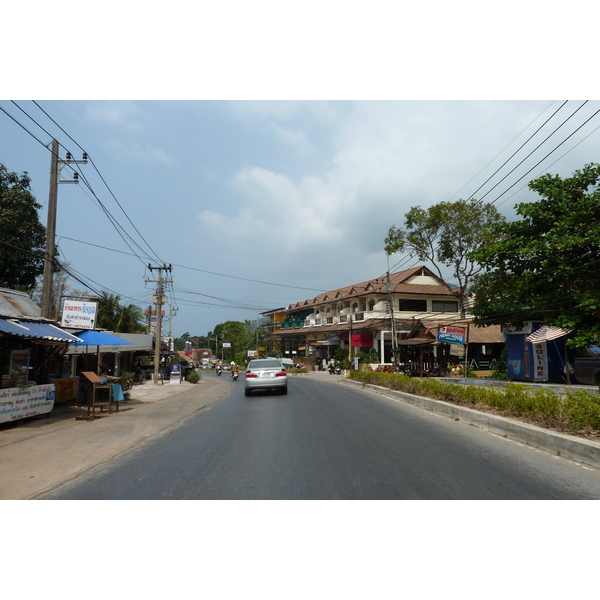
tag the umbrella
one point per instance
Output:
(99, 338)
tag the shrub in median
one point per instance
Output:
(579, 411)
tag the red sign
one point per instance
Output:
(362, 340)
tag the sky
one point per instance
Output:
(265, 152)
(257, 204)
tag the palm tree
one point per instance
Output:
(117, 317)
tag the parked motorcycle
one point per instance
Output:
(140, 376)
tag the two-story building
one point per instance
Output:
(365, 316)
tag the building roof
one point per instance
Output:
(17, 304)
(398, 282)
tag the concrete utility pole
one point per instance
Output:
(392, 319)
(160, 300)
(56, 166)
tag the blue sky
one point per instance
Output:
(238, 195)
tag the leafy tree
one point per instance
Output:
(546, 266)
(23, 236)
(118, 317)
(444, 235)
(236, 333)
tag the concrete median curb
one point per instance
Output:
(568, 446)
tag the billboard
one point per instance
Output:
(79, 315)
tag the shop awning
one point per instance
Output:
(416, 342)
(99, 338)
(36, 330)
(546, 333)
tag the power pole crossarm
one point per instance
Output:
(159, 302)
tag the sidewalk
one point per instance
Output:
(40, 454)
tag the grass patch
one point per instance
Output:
(577, 412)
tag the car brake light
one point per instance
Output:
(281, 373)
(251, 374)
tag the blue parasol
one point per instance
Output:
(98, 338)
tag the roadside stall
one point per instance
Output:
(32, 353)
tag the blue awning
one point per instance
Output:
(99, 338)
(36, 330)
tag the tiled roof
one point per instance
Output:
(378, 286)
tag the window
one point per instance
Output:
(413, 305)
(444, 306)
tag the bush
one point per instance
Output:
(193, 377)
(578, 412)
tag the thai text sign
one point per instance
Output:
(456, 350)
(66, 388)
(19, 403)
(452, 335)
(79, 315)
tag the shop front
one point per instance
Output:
(35, 373)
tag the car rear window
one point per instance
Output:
(264, 364)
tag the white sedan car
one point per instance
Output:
(266, 374)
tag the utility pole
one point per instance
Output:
(160, 300)
(392, 319)
(56, 166)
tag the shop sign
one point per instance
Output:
(175, 374)
(540, 362)
(362, 340)
(451, 335)
(79, 315)
(66, 388)
(457, 350)
(19, 403)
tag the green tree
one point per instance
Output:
(444, 235)
(118, 317)
(236, 333)
(23, 236)
(546, 266)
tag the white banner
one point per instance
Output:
(79, 315)
(19, 403)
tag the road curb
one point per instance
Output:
(561, 444)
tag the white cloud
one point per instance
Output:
(388, 156)
(121, 113)
(138, 151)
(295, 138)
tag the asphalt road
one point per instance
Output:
(325, 440)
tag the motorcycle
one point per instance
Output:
(338, 370)
(140, 376)
(234, 375)
(219, 370)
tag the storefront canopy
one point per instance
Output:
(99, 338)
(36, 330)
(416, 342)
(547, 333)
